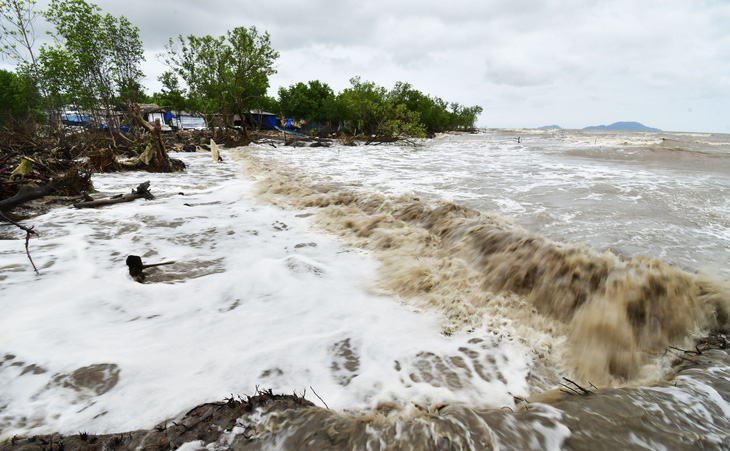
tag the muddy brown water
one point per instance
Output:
(632, 275)
(604, 254)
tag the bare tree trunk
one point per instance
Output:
(161, 160)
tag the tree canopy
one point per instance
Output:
(368, 109)
(9, 89)
(313, 101)
(228, 75)
(17, 20)
(94, 63)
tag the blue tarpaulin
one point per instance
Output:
(263, 120)
(73, 117)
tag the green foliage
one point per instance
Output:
(270, 104)
(16, 21)
(172, 95)
(126, 54)
(372, 110)
(18, 39)
(95, 62)
(19, 96)
(56, 68)
(368, 109)
(400, 121)
(249, 62)
(436, 115)
(363, 105)
(228, 74)
(9, 89)
(312, 101)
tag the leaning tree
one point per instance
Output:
(95, 60)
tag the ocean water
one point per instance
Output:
(460, 294)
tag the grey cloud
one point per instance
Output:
(596, 53)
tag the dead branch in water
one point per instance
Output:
(696, 352)
(28, 232)
(315, 394)
(142, 192)
(572, 391)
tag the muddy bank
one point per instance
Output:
(216, 422)
(569, 418)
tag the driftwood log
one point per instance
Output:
(142, 192)
(25, 194)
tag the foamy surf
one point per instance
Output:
(420, 320)
(589, 314)
(255, 298)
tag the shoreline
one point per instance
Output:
(149, 436)
(267, 420)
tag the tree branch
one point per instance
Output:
(28, 232)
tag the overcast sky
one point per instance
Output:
(574, 63)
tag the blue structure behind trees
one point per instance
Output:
(262, 119)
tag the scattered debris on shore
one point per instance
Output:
(207, 423)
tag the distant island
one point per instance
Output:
(633, 126)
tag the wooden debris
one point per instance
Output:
(136, 267)
(28, 231)
(578, 390)
(205, 424)
(142, 192)
(25, 194)
(154, 158)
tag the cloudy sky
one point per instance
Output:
(528, 63)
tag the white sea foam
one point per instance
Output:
(259, 297)
(255, 298)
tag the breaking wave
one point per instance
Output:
(584, 313)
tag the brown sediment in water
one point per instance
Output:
(613, 418)
(663, 414)
(606, 317)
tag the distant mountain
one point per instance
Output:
(632, 126)
(550, 127)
